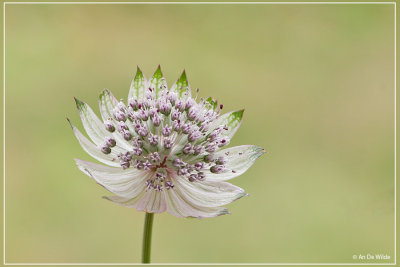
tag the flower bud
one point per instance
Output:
(201, 176)
(127, 135)
(192, 177)
(110, 142)
(109, 126)
(168, 143)
(217, 168)
(125, 165)
(166, 131)
(106, 150)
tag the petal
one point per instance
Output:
(138, 85)
(181, 86)
(213, 103)
(178, 206)
(153, 202)
(232, 120)
(92, 124)
(239, 159)
(107, 102)
(93, 150)
(126, 202)
(124, 183)
(158, 82)
(208, 194)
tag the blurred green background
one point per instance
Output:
(317, 84)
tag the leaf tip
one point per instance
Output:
(70, 123)
(183, 76)
(79, 104)
(138, 71)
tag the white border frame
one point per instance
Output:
(189, 3)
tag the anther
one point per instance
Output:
(179, 163)
(168, 143)
(188, 149)
(168, 185)
(166, 131)
(153, 139)
(198, 166)
(137, 151)
(158, 187)
(149, 184)
(137, 142)
(154, 157)
(125, 164)
(182, 171)
(147, 165)
(160, 176)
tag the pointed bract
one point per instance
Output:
(238, 160)
(138, 85)
(213, 103)
(157, 82)
(182, 87)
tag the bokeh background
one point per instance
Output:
(317, 82)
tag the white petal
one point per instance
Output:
(107, 102)
(181, 86)
(126, 202)
(93, 150)
(124, 183)
(158, 82)
(138, 85)
(178, 206)
(153, 202)
(232, 120)
(208, 194)
(92, 124)
(239, 159)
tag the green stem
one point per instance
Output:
(148, 226)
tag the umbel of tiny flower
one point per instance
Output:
(164, 148)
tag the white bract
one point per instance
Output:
(165, 149)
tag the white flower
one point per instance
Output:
(163, 149)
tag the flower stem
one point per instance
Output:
(148, 226)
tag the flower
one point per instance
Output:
(165, 150)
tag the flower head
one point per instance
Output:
(165, 149)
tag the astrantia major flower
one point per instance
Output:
(165, 149)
